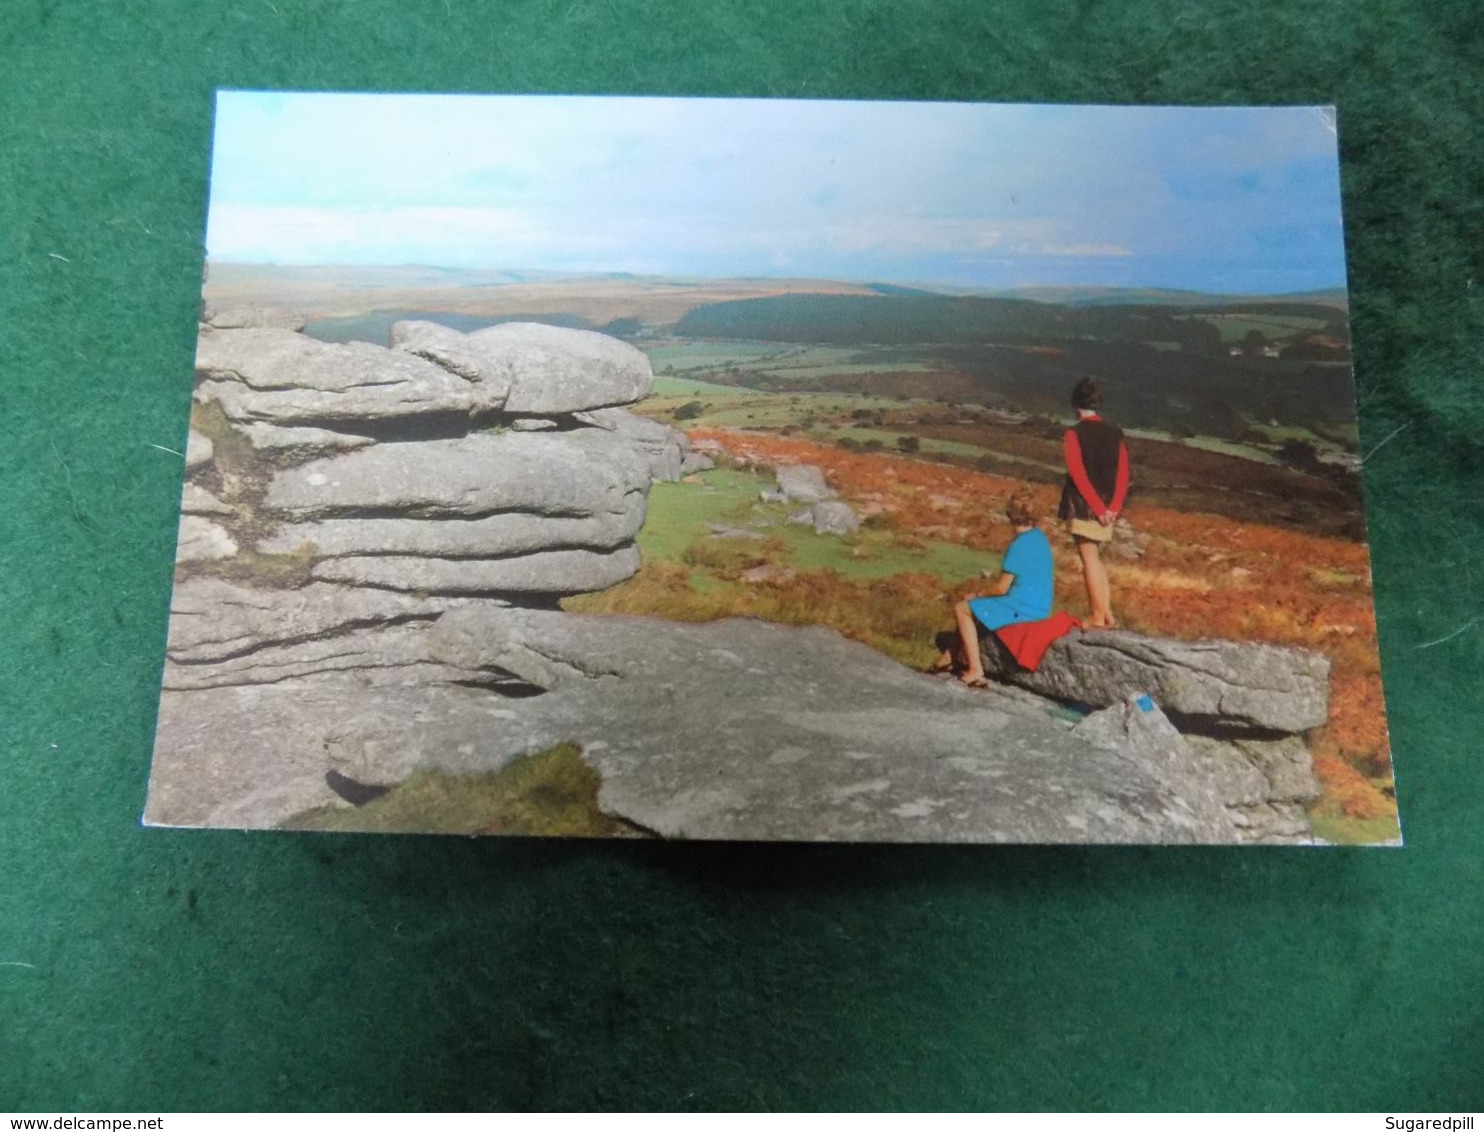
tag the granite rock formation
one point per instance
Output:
(373, 544)
(1262, 687)
(788, 733)
(1226, 718)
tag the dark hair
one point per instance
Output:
(1086, 394)
(1020, 508)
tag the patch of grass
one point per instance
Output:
(1233, 327)
(886, 588)
(740, 407)
(680, 355)
(680, 513)
(667, 385)
(1325, 577)
(681, 516)
(1355, 831)
(1207, 444)
(281, 571)
(898, 615)
(231, 450)
(871, 554)
(550, 794)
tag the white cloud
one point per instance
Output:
(728, 186)
(1081, 250)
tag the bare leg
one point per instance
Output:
(1096, 577)
(968, 632)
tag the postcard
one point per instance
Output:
(773, 470)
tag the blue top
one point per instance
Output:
(1029, 559)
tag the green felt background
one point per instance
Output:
(164, 970)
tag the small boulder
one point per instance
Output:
(553, 369)
(1127, 543)
(803, 483)
(833, 517)
(721, 530)
(695, 462)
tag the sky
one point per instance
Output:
(969, 195)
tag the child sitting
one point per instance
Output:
(1023, 591)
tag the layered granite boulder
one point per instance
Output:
(408, 469)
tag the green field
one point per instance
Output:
(1234, 327)
(729, 407)
(685, 388)
(682, 513)
(782, 361)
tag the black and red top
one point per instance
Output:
(1097, 469)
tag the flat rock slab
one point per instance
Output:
(300, 441)
(492, 536)
(1265, 687)
(251, 755)
(213, 620)
(279, 377)
(573, 474)
(551, 572)
(735, 729)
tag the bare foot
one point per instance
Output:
(969, 680)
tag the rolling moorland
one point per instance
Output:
(926, 409)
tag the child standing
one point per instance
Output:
(1094, 494)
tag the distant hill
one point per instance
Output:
(895, 289)
(795, 309)
(344, 291)
(853, 320)
(1160, 296)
